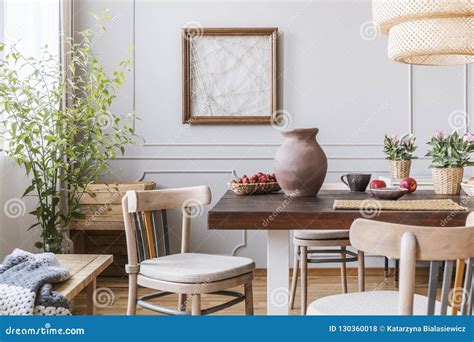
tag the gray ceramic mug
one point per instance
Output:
(356, 181)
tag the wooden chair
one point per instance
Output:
(408, 244)
(186, 273)
(308, 244)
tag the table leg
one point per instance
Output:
(90, 298)
(278, 272)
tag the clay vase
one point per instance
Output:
(300, 163)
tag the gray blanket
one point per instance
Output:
(26, 284)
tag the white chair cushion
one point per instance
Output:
(366, 303)
(195, 268)
(321, 234)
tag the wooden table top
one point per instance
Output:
(84, 268)
(277, 211)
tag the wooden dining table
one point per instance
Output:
(278, 214)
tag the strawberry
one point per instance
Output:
(262, 179)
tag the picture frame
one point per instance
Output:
(229, 99)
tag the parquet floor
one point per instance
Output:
(112, 292)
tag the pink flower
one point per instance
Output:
(468, 137)
(408, 140)
(439, 134)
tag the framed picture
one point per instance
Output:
(229, 75)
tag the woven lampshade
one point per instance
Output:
(427, 32)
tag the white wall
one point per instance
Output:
(331, 76)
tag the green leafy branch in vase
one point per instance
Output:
(58, 126)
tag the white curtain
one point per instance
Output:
(31, 24)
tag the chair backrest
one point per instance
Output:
(141, 210)
(410, 244)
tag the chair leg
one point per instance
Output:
(385, 268)
(361, 270)
(182, 301)
(343, 270)
(460, 266)
(248, 299)
(196, 304)
(294, 280)
(132, 295)
(397, 269)
(304, 278)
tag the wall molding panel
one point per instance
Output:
(248, 158)
(252, 145)
(466, 98)
(149, 172)
(410, 99)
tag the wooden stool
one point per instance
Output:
(304, 240)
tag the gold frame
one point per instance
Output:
(186, 82)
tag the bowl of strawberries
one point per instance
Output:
(259, 183)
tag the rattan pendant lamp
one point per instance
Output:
(427, 32)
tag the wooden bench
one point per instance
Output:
(84, 269)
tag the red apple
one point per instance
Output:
(409, 184)
(377, 184)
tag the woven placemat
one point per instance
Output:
(415, 205)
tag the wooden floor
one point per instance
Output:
(112, 292)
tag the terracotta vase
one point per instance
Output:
(300, 163)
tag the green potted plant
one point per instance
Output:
(450, 153)
(400, 153)
(61, 148)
